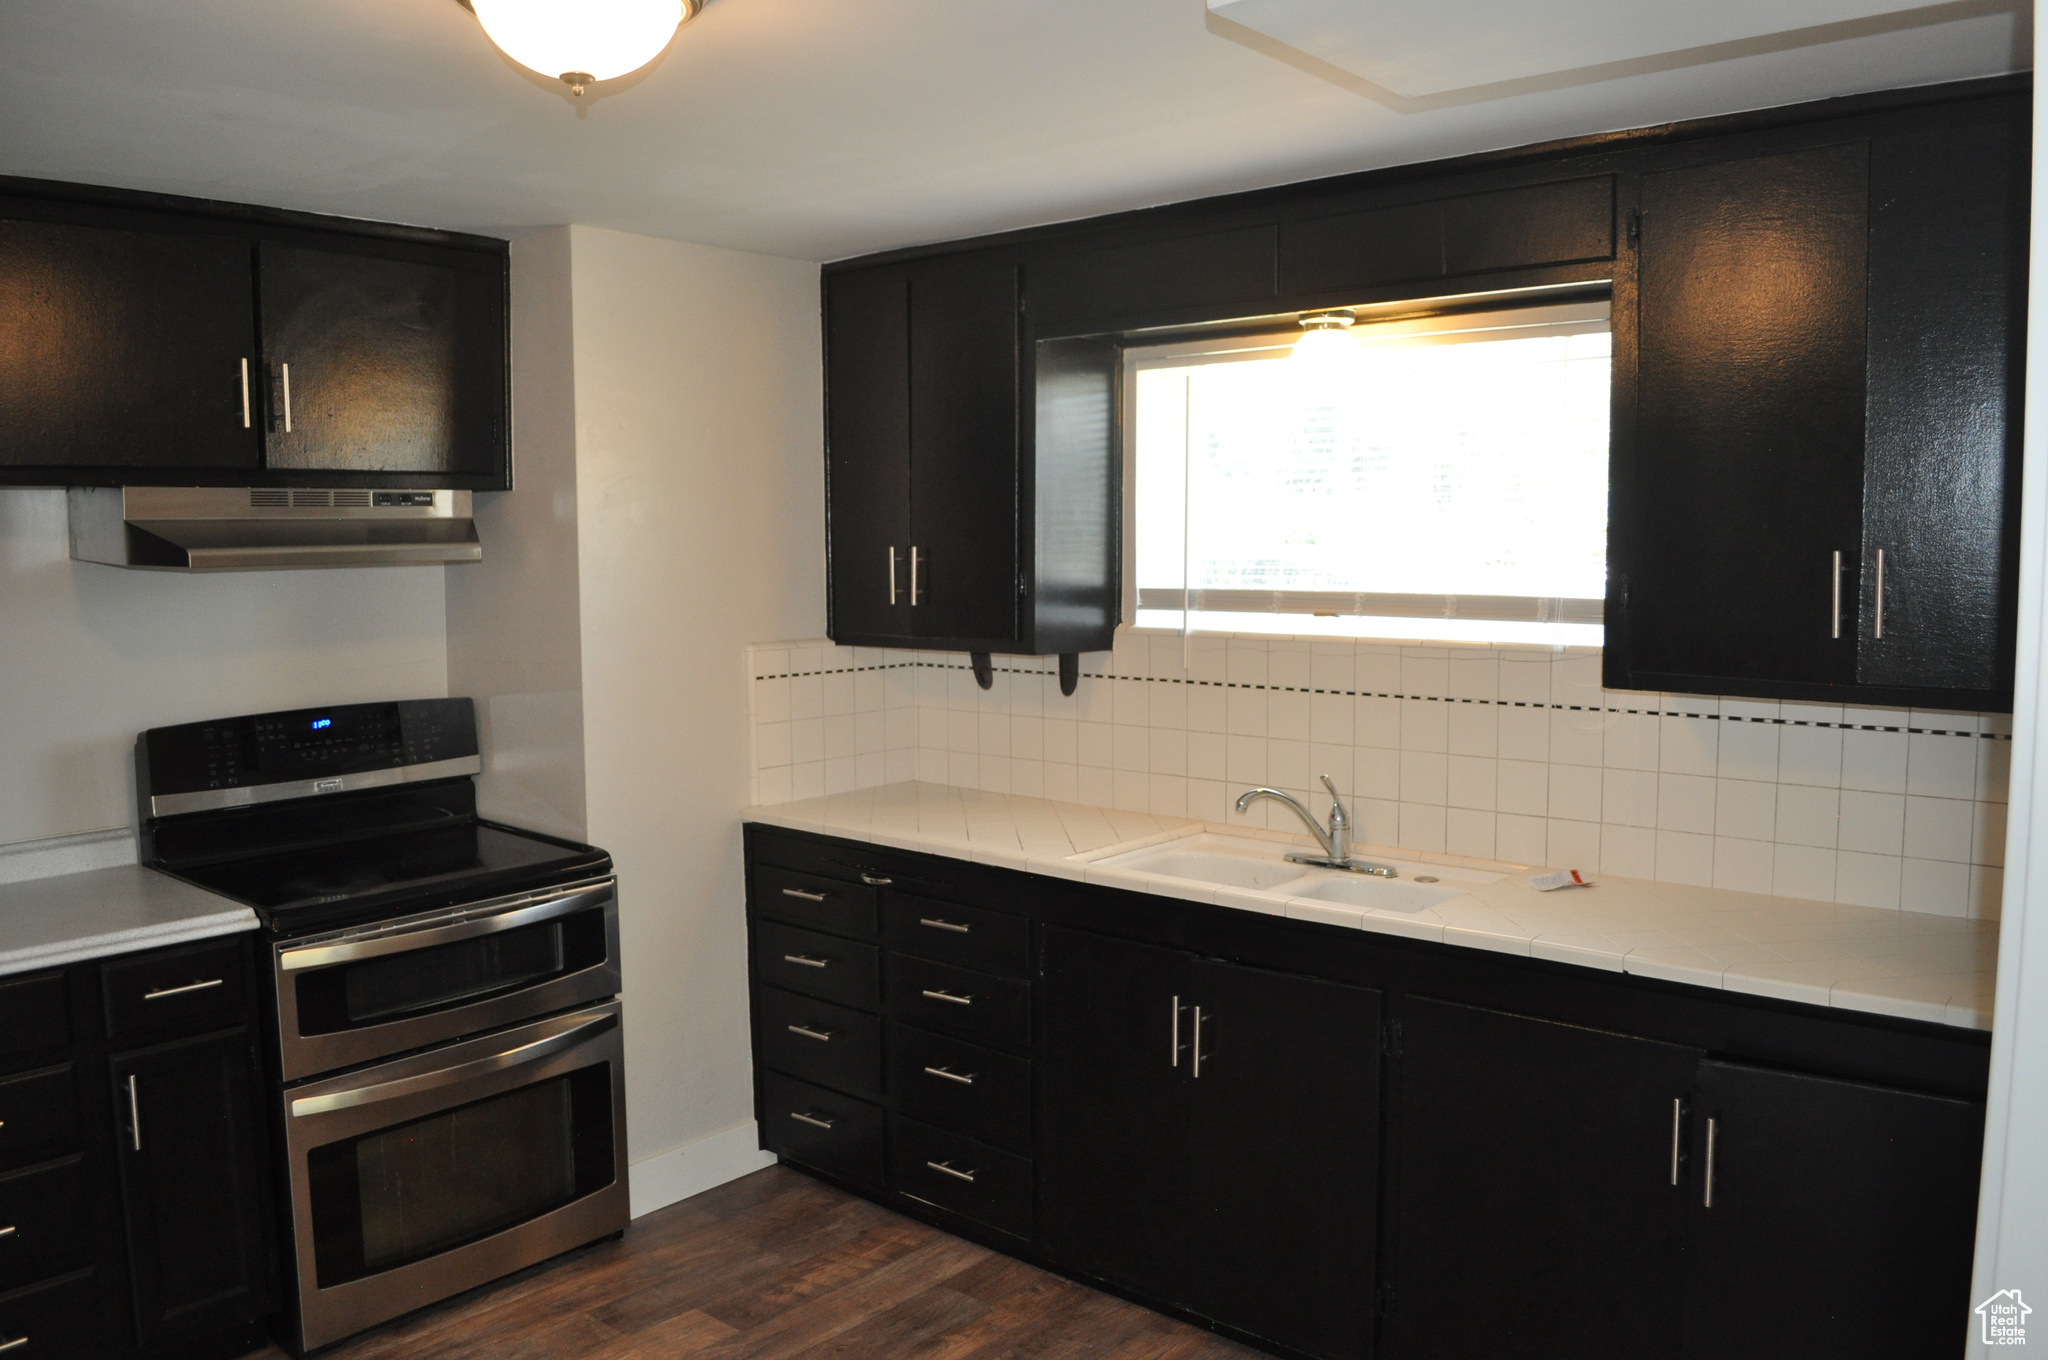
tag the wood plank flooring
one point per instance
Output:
(774, 1266)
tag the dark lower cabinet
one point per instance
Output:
(1338, 1145)
(200, 1248)
(1211, 1137)
(1533, 1184)
(1836, 1221)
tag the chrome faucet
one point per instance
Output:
(1336, 842)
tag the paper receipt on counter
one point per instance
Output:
(1563, 878)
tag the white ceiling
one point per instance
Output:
(814, 128)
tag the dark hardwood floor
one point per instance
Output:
(778, 1265)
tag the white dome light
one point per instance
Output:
(581, 41)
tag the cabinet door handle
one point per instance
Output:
(8, 1231)
(1713, 1131)
(162, 992)
(16, 1344)
(1198, 1042)
(823, 1036)
(1174, 1059)
(806, 960)
(892, 574)
(134, 1115)
(946, 1169)
(936, 924)
(806, 896)
(950, 1075)
(875, 880)
(812, 1120)
(286, 369)
(948, 997)
(1677, 1106)
(1878, 630)
(245, 392)
(913, 576)
(1838, 596)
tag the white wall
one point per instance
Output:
(514, 620)
(90, 655)
(2012, 1216)
(700, 517)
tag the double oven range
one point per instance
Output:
(447, 1073)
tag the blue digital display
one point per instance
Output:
(319, 723)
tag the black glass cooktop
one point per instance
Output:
(326, 886)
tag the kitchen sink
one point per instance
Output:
(1261, 866)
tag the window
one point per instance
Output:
(1442, 476)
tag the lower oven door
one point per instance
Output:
(357, 995)
(417, 1179)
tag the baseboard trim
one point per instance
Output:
(693, 1168)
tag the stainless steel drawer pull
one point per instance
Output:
(1713, 1130)
(1878, 631)
(913, 576)
(936, 924)
(287, 368)
(948, 996)
(1176, 1033)
(134, 1115)
(1838, 595)
(806, 960)
(162, 992)
(823, 1036)
(245, 393)
(8, 1231)
(892, 574)
(950, 1075)
(812, 1120)
(875, 880)
(806, 896)
(1198, 1041)
(945, 1169)
(1677, 1107)
(13, 1345)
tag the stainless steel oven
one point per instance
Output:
(418, 1178)
(352, 996)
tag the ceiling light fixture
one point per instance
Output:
(1324, 338)
(582, 41)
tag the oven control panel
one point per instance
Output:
(304, 744)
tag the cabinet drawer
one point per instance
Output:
(955, 1001)
(198, 987)
(821, 1128)
(43, 1223)
(960, 1086)
(962, 1174)
(821, 1042)
(38, 1117)
(33, 1014)
(818, 965)
(811, 900)
(972, 937)
(58, 1319)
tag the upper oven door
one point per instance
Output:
(362, 994)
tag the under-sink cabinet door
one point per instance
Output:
(1831, 1220)
(1538, 1187)
(1283, 1176)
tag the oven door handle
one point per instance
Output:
(348, 951)
(531, 1051)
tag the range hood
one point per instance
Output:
(268, 528)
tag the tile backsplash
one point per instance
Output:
(1503, 752)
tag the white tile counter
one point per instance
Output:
(1898, 963)
(47, 922)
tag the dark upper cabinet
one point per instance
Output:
(148, 340)
(1836, 1221)
(1537, 1188)
(124, 348)
(377, 364)
(958, 513)
(1210, 1136)
(1826, 341)
(1235, 269)
(194, 1186)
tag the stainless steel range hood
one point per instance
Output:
(264, 528)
